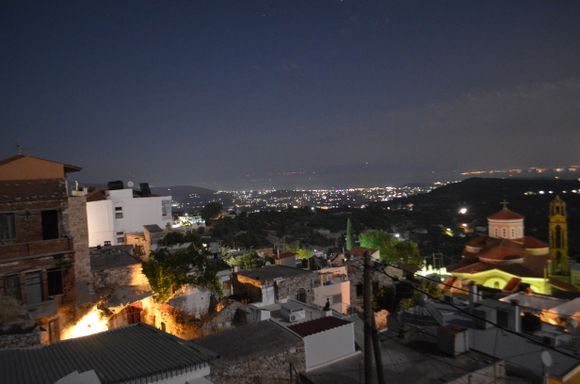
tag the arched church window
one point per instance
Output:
(503, 232)
(558, 237)
(513, 231)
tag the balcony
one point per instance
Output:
(34, 249)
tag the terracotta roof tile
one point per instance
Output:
(505, 214)
(316, 326)
(532, 242)
(97, 195)
(285, 255)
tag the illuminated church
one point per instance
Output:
(506, 257)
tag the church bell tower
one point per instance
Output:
(558, 228)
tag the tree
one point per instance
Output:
(168, 271)
(249, 260)
(382, 241)
(301, 253)
(210, 211)
(392, 250)
(349, 238)
(408, 252)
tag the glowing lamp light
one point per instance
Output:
(92, 322)
(462, 211)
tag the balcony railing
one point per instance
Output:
(35, 248)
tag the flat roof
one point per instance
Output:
(271, 272)
(417, 361)
(263, 338)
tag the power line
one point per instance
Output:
(469, 292)
(485, 320)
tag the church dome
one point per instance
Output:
(505, 214)
(506, 224)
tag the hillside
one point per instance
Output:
(482, 197)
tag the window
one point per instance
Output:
(50, 224)
(118, 212)
(12, 287)
(163, 327)
(134, 315)
(33, 284)
(166, 208)
(359, 290)
(301, 295)
(336, 299)
(54, 278)
(7, 228)
(120, 237)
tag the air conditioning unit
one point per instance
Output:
(292, 312)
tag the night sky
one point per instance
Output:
(240, 94)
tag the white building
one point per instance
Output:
(335, 287)
(113, 213)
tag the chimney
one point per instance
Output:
(473, 297)
(517, 319)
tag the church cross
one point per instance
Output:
(504, 203)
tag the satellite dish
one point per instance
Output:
(547, 359)
(130, 184)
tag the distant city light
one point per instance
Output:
(462, 211)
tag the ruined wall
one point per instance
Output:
(290, 288)
(266, 369)
(165, 317)
(283, 288)
(224, 319)
(119, 276)
(20, 340)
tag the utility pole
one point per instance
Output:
(367, 317)
(377, 350)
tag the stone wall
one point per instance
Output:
(290, 288)
(355, 269)
(20, 340)
(128, 275)
(165, 317)
(75, 218)
(222, 320)
(265, 369)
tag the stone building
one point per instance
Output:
(262, 352)
(43, 237)
(275, 283)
